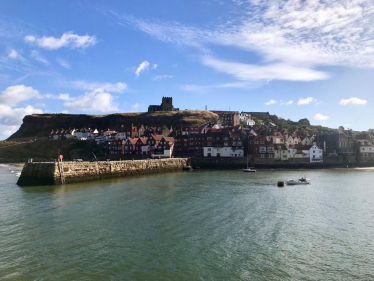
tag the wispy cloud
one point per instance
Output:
(68, 40)
(159, 77)
(304, 101)
(320, 117)
(204, 88)
(353, 101)
(286, 102)
(294, 38)
(119, 87)
(278, 71)
(141, 68)
(38, 57)
(270, 102)
(63, 63)
(63, 96)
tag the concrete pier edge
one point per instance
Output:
(48, 173)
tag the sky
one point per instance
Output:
(296, 59)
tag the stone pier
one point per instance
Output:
(48, 173)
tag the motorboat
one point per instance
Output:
(297, 182)
(304, 180)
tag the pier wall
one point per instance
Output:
(48, 173)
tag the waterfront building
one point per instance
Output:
(280, 152)
(223, 152)
(316, 154)
(365, 151)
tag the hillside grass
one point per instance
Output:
(40, 149)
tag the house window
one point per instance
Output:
(270, 155)
(209, 138)
(262, 142)
(262, 155)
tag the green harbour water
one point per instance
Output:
(200, 225)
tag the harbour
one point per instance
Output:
(215, 225)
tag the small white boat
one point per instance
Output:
(300, 181)
(249, 170)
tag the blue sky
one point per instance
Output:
(297, 59)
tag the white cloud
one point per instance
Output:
(277, 71)
(38, 57)
(11, 118)
(320, 117)
(13, 54)
(271, 102)
(63, 63)
(353, 101)
(62, 96)
(142, 67)
(16, 94)
(96, 101)
(286, 102)
(155, 66)
(307, 100)
(68, 39)
(159, 77)
(119, 87)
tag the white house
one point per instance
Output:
(223, 152)
(315, 154)
(280, 152)
(306, 141)
(245, 119)
(366, 149)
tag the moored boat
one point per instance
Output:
(298, 182)
(249, 169)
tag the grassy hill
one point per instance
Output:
(40, 125)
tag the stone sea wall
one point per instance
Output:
(48, 173)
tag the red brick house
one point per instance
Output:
(116, 147)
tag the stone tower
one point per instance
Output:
(167, 104)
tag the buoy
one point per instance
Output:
(280, 184)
